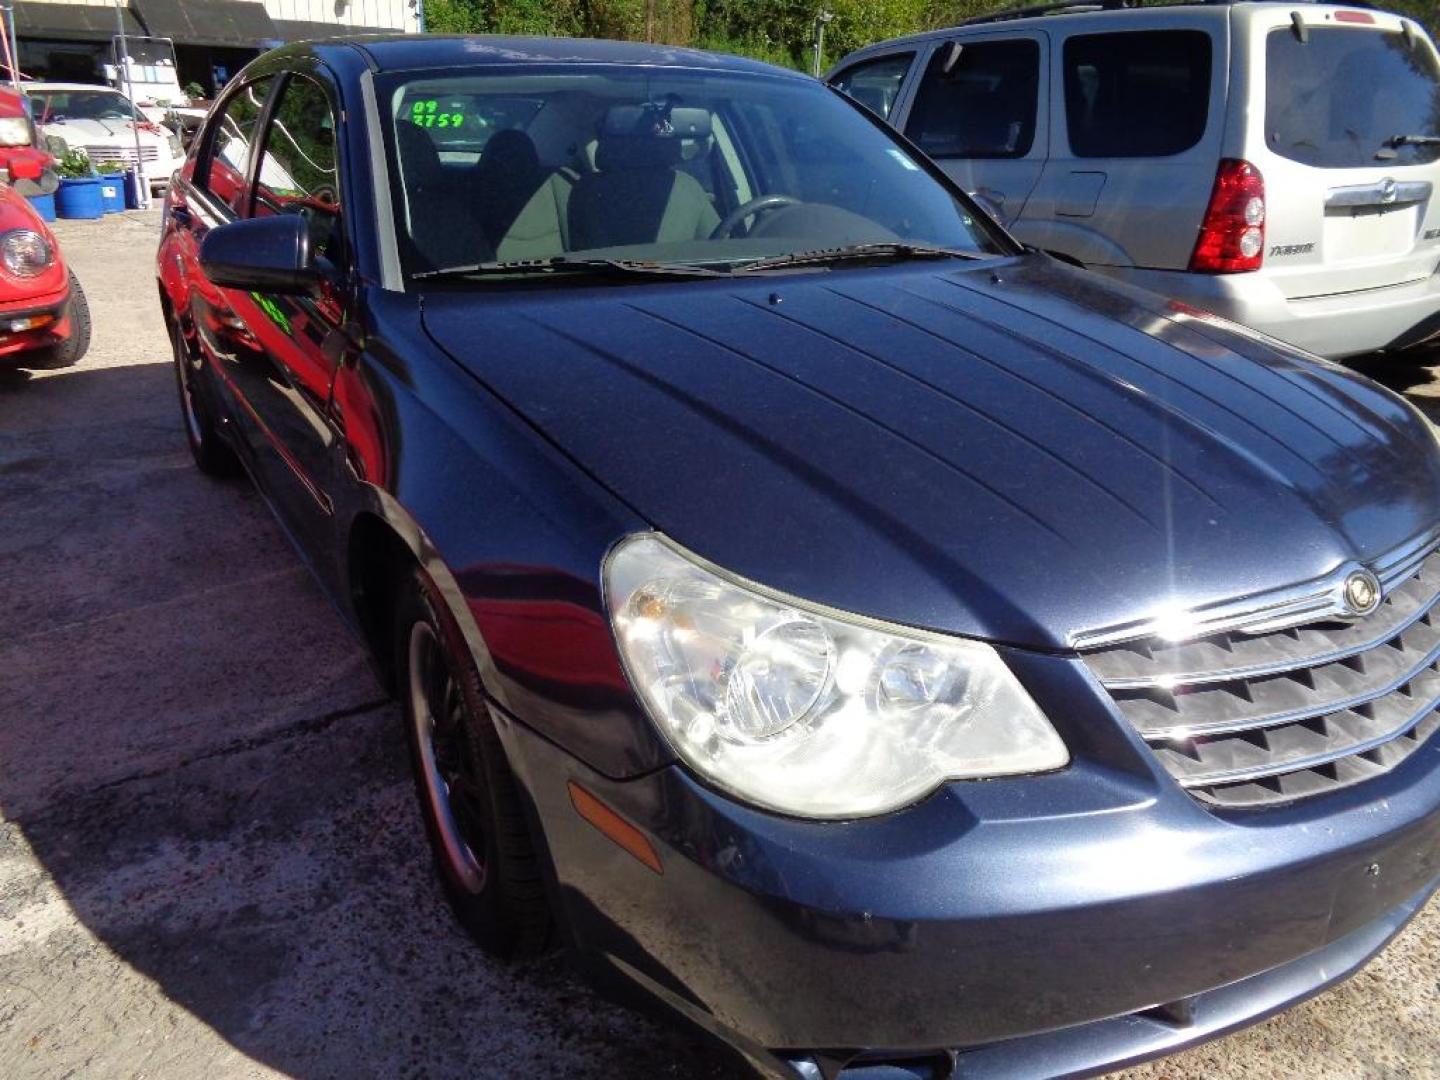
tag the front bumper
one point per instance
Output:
(1345, 324)
(50, 309)
(1022, 924)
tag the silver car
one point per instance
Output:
(1273, 163)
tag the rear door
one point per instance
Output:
(1349, 101)
(1139, 117)
(980, 112)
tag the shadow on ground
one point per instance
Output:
(204, 791)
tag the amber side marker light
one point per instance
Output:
(614, 826)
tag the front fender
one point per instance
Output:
(512, 534)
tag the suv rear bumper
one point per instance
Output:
(1336, 326)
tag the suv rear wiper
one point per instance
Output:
(885, 250)
(561, 265)
(1413, 140)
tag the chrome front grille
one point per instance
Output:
(1252, 715)
(123, 154)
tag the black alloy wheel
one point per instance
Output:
(469, 799)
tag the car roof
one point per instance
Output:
(1103, 13)
(406, 52)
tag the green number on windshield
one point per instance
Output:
(426, 113)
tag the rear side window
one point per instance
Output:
(1139, 94)
(1340, 99)
(222, 173)
(875, 83)
(978, 100)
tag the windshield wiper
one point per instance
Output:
(884, 250)
(1413, 140)
(560, 265)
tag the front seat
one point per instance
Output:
(523, 206)
(637, 195)
(441, 233)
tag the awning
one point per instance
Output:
(71, 22)
(233, 23)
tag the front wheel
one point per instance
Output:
(73, 349)
(469, 798)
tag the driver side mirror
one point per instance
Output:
(264, 254)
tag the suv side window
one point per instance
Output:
(875, 83)
(1139, 93)
(298, 173)
(978, 100)
(222, 172)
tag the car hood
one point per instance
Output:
(1014, 449)
(98, 131)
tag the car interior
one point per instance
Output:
(655, 178)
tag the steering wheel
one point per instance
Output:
(763, 205)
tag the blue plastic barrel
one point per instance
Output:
(44, 206)
(112, 192)
(79, 197)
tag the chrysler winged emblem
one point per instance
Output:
(1361, 592)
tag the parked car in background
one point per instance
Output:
(104, 123)
(893, 650)
(44, 319)
(1273, 163)
(21, 159)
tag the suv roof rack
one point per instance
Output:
(1081, 7)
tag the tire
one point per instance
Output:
(469, 799)
(212, 454)
(73, 349)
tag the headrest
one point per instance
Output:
(510, 151)
(419, 159)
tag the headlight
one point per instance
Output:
(14, 131)
(25, 252)
(809, 711)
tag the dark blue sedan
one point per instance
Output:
(882, 646)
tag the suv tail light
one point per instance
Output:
(1232, 237)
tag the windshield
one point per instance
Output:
(673, 168)
(51, 105)
(1345, 97)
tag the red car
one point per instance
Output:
(44, 319)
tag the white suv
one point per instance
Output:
(102, 122)
(1273, 163)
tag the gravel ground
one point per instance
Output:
(209, 860)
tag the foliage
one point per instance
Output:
(74, 163)
(779, 31)
(194, 91)
(110, 168)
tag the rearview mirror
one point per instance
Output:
(264, 254)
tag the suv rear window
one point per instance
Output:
(1341, 98)
(1138, 94)
(978, 102)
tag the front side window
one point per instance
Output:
(875, 83)
(1136, 94)
(1351, 97)
(673, 167)
(298, 173)
(223, 172)
(978, 100)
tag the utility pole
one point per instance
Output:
(822, 19)
(12, 46)
(142, 185)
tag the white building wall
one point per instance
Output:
(361, 14)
